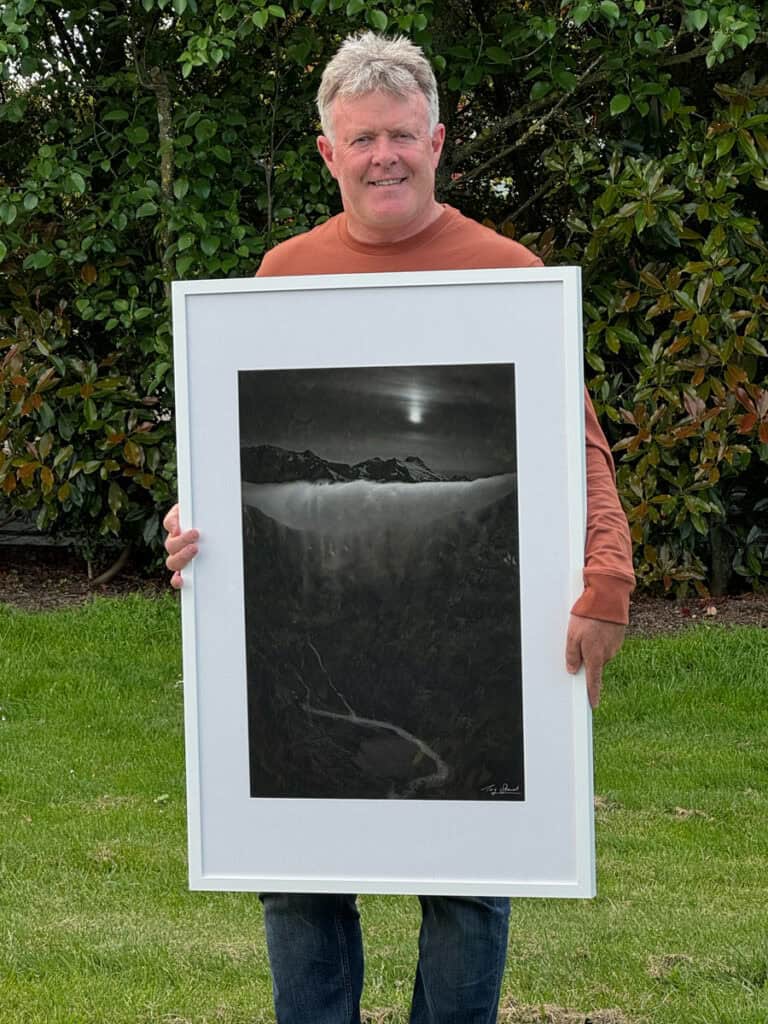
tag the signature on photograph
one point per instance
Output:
(500, 789)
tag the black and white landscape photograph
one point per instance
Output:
(382, 604)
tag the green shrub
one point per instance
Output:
(163, 139)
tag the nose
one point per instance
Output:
(384, 151)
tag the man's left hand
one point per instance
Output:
(593, 643)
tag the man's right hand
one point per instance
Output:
(181, 547)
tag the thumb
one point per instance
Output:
(572, 653)
(171, 523)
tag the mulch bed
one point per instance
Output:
(652, 615)
(45, 579)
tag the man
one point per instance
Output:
(382, 142)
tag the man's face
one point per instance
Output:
(384, 159)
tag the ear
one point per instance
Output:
(438, 140)
(325, 149)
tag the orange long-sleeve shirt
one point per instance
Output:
(453, 242)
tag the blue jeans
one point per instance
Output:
(316, 956)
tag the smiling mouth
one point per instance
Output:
(386, 181)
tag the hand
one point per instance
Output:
(593, 643)
(181, 547)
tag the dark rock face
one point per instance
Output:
(410, 470)
(266, 463)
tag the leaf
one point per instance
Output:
(183, 263)
(595, 361)
(205, 129)
(7, 213)
(133, 453)
(38, 260)
(734, 375)
(137, 134)
(89, 273)
(45, 444)
(116, 497)
(62, 455)
(565, 79)
(180, 188)
(147, 209)
(700, 326)
(210, 244)
(76, 183)
(680, 343)
(3, 251)
(498, 55)
(540, 89)
(276, 11)
(620, 103)
(378, 20)
(698, 19)
(90, 412)
(703, 292)
(581, 13)
(609, 10)
(30, 201)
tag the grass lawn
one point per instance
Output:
(97, 925)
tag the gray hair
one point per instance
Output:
(368, 62)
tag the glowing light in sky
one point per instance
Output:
(416, 403)
(414, 412)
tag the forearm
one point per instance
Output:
(608, 575)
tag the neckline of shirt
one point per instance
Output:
(394, 248)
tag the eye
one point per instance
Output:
(361, 140)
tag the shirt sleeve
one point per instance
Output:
(609, 578)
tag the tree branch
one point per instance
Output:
(67, 42)
(535, 128)
(550, 186)
(524, 114)
(157, 81)
(590, 77)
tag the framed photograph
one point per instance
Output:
(387, 472)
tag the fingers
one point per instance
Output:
(176, 544)
(181, 549)
(594, 682)
(572, 652)
(180, 545)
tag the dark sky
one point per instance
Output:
(458, 419)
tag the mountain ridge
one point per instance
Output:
(268, 463)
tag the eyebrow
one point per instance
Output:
(399, 129)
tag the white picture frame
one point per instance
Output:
(542, 845)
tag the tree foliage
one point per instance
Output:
(145, 140)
